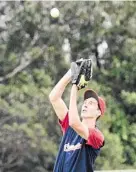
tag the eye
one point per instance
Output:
(90, 102)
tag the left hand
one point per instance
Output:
(81, 74)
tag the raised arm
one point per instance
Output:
(55, 96)
(74, 120)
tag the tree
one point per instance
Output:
(36, 50)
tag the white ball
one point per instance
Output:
(54, 12)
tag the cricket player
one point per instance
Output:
(82, 140)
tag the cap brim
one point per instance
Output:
(90, 93)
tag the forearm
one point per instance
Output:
(59, 88)
(73, 111)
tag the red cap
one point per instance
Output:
(101, 102)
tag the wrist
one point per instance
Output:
(68, 74)
(75, 86)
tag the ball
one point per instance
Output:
(54, 12)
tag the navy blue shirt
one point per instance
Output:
(75, 153)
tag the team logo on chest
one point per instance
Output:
(68, 147)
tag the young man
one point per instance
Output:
(81, 140)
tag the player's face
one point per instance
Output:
(90, 108)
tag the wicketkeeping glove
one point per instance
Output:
(81, 72)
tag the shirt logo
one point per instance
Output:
(68, 147)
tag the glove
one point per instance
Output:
(85, 73)
(81, 72)
(79, 61)
(75, 72)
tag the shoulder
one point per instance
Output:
(96, 138)
(97, 133)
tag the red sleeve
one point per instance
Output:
(95, 139)
(64, 124)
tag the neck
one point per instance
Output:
(89, 122)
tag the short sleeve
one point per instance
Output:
(95, 139)
(64, 123)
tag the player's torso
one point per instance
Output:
(74, 155)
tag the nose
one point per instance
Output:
(85, 106)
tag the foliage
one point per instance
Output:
(35, 52)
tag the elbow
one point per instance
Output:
(73, 124)
(52, 98)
